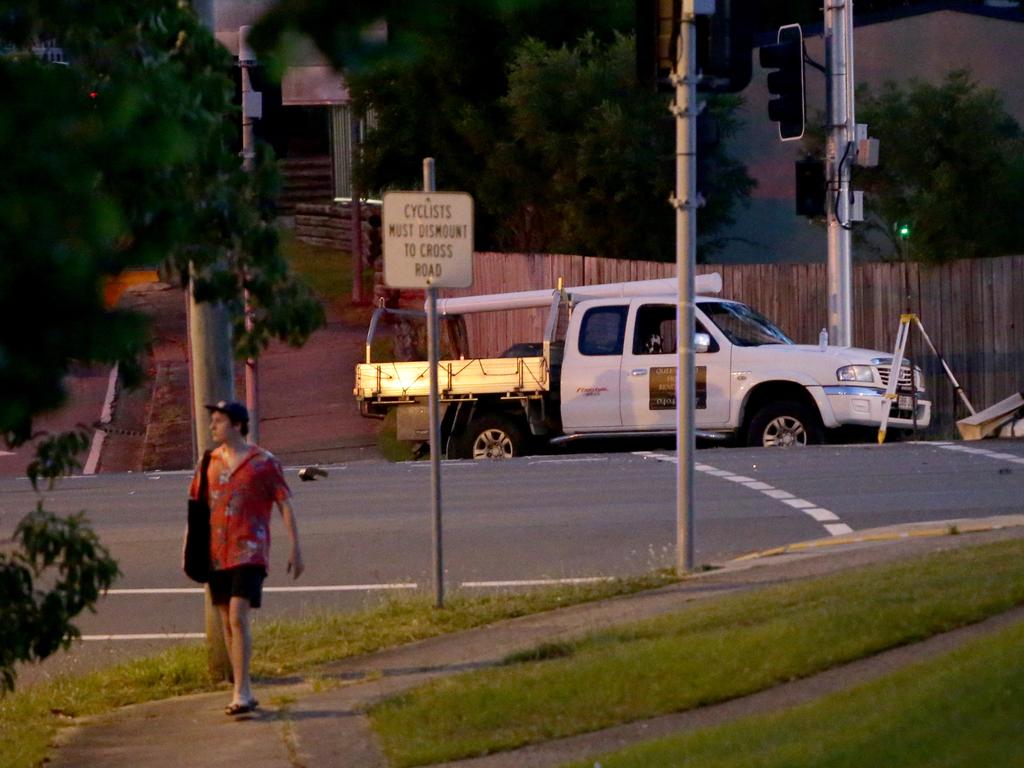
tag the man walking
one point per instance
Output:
(244, 482)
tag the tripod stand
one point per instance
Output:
(898, 355)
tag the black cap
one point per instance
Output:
(235, 411)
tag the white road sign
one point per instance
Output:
(428, 239)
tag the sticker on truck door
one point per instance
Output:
(663, 388)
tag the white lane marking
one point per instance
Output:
(581, 460)
(314, 588)
(537, 582)
(99, 436)
(147, 636)
(838, 529)
(799, 503)
(342, 588)
(819, 514)
(998, 455)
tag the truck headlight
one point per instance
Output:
(856, 373)
(918, 379)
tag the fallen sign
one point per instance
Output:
(987, 422)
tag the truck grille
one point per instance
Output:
(906, 380)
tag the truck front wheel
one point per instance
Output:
(491, 437)
(783, 425)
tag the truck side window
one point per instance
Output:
(655, 330)
(602, 331)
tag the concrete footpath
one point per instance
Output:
(307, 414)
(316, 718)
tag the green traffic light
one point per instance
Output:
(904, 230)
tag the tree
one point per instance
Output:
(589, 163)
(530, 106)
(951, 167)
(121, 158)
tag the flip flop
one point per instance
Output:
(241, 708)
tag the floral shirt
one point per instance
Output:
(240, 505)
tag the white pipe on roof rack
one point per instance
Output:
(495, 302)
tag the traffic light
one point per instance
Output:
(810, 187)
(786, 56)
(657, 35)
(724, 43)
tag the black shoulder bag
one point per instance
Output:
(197, 534)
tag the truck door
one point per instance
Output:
(590, 369)
(648, 378)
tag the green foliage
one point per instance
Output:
(529, 105)
(589, 165)
(951, 169)
(65, 555)
(124, 157)
(56, 456)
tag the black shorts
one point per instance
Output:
(243, 581)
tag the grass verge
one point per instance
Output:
(30, 718)
(706, 653)
(963, 709)
(328, 271)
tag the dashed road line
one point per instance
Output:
(827, 517)
(998, 455)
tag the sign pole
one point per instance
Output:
(427, 239)
(429, 185)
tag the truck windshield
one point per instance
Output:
(742, 325)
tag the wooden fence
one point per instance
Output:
(972, 310)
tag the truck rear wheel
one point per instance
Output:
(491, 437)
(784, 425)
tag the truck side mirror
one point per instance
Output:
(701, 342)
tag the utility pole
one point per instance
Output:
(685, 109)
(252, 109)
(213, 379)
(840, 155)
(358, 294)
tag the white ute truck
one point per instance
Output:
(606, 368)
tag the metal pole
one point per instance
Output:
(252, 398)
(358, 295)
(433, 352)
(213, 378)
(685, 109)
(839, 159)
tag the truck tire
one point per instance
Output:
(491, 437)
(784, 425)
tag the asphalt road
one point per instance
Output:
(366, 527)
